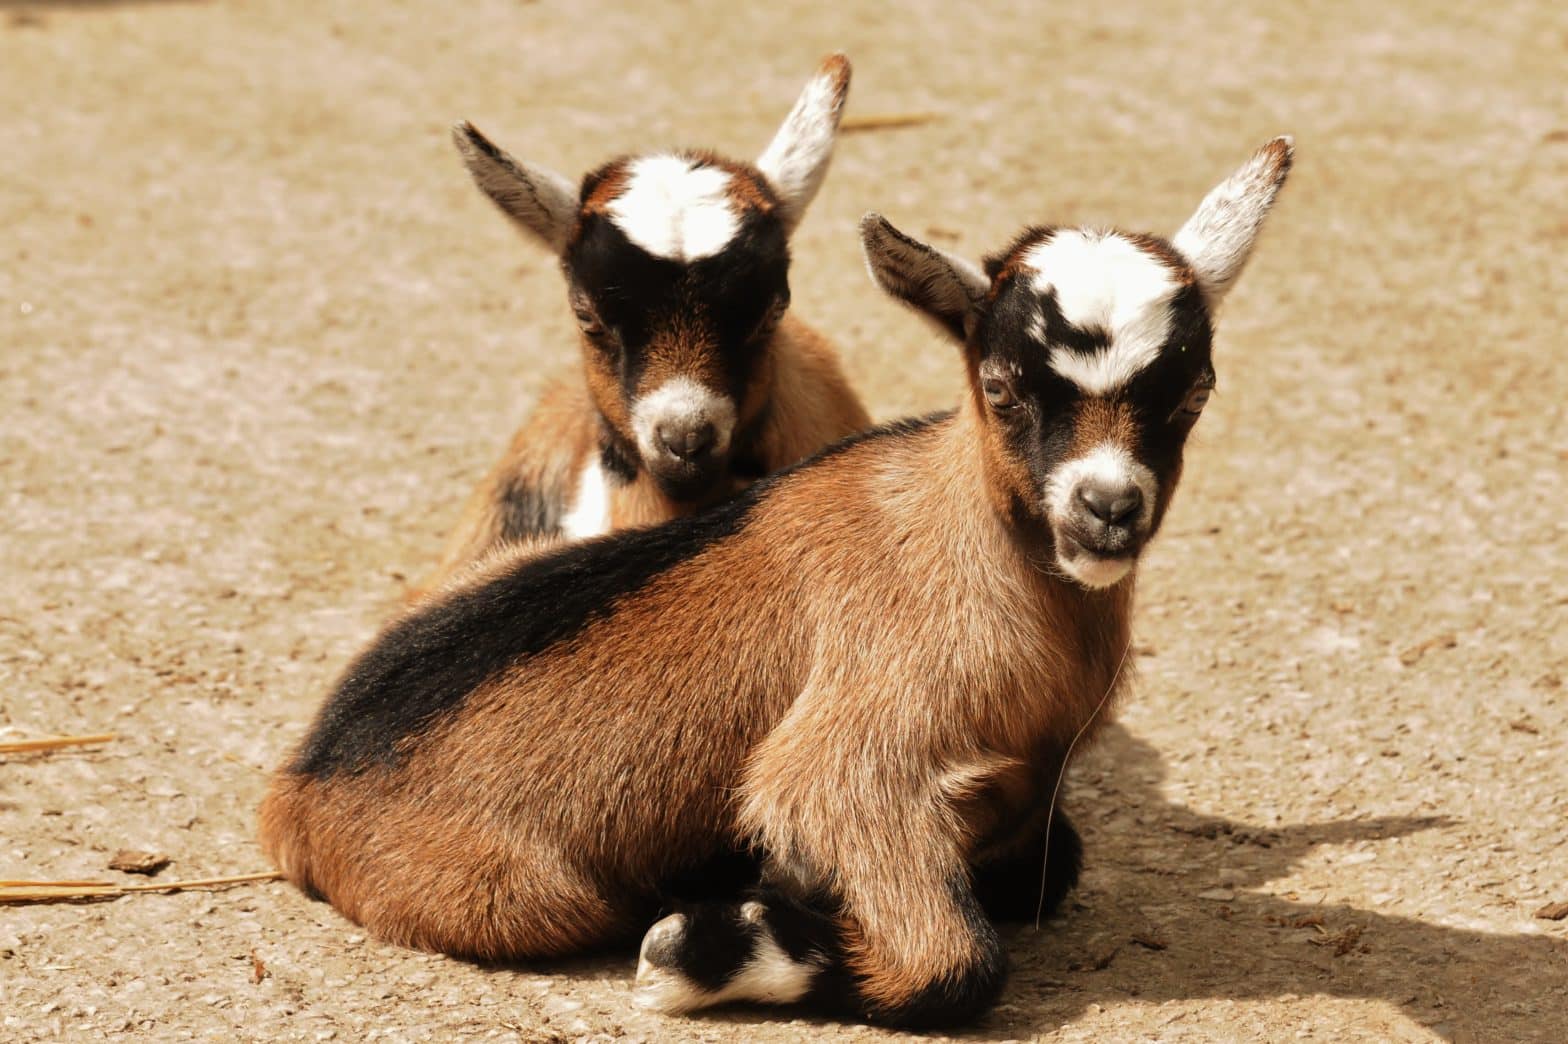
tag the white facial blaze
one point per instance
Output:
(675, 208)
(1104, 283)
(590, 513)
(681, 401)
(1110, 465)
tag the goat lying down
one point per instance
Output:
(823, 721)
(696, 380)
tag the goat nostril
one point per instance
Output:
(686, 441)
(1115, 506)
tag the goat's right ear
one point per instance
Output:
(948, 290)
(541, 202)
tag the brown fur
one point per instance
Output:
(611, 183)
(1012, 261)
(746, 188)
(1181, 271)
(1104, 421)
(868, 672)
(869, 712)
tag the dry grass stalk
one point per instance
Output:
(72, 891)
(885, 121)
(52, 743)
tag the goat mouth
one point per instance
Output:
(1092, 567)
(693, 482)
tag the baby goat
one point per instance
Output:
(827, 716)
(677, 267)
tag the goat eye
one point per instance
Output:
(588, 322)
(1196, 400)
(771, 319)
(998, 394)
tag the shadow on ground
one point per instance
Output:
(1150, 926)
(1142, 892)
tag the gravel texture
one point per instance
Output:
(258, 336)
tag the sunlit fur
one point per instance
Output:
(859, 680)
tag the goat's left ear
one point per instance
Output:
(797, 159)
(948, 290)
(1218, 238)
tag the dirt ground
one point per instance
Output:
(258, 335)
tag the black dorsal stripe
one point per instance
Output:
(426, 664)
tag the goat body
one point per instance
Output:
(829, 714)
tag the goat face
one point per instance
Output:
(679, 273)
(1091, 366)
(677, 268)
(1089, 361)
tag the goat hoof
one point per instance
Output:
(661, 984)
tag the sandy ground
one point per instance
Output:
(258, 335)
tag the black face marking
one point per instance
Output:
(527, 511)
(724, 300)
(1157, 393)
(1058, 331)
(617, 457)
(1039, 425)
(1039, 430)
(426, 664)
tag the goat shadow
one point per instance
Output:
(1138, 929)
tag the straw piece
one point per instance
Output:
(885, 121)
(68, 891)
(52, 743)
(205, 882)
(47, 892)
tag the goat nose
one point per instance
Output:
(687, 440)
(1113, 505)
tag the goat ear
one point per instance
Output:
(1218, 238)
(797, 159)
(541, 202)
(948, 290)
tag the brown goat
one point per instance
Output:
(697, 381)
(825, 718)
